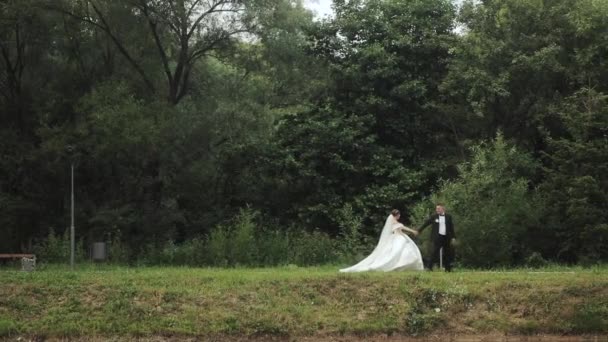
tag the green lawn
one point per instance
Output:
(293, 301)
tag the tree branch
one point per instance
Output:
(143, 6)
(7, 57)
(194, 4)
(202, 51)
(19, 64)
(159, 44)
(122, 49)
(75, 47)
(202, 16)
(105, 27)
(184, 84)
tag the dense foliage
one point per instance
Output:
(245, 132)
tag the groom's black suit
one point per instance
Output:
(441, 241)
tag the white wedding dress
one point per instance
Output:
(395, 252)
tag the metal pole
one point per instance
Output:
(72, 223)
(441, 258)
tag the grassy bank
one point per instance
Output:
(292, 301)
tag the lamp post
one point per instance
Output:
(72, 229)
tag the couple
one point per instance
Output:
(396, 251)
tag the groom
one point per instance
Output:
(442, 235)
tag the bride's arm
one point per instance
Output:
(401, 227)
(410, 230)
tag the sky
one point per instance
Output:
(320, 7)
(323, 7)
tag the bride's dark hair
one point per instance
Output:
(395, 212)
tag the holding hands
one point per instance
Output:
(413, 231)
(407, 230)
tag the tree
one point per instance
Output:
(388, 59)
(182, 33)
(24, 42)
(576, 183)
(367, 143)
(536, 70)
(516, 58)
(23, 35)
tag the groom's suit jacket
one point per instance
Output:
(434, 221)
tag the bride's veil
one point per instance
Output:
(386, 231)
(384, 238)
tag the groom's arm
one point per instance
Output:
(425, 224)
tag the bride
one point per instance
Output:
(395, 250)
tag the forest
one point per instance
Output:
(249, 132)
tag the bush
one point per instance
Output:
(350, 243)
(492, 205)
(238, 242)
(242, 242)
(273, 247)
(118, 252)
(313, 248)
(218, 247)
(56, 248)
(536, 260)
(243, 245)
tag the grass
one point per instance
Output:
(294, 301)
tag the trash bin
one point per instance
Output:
(99, 251)
(28, 264)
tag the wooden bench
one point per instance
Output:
(28, 261)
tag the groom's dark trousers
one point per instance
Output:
(441, 241)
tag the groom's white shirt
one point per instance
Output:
(441, 224)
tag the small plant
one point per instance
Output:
(536, 260)
(314, 248)
(56, 248)
(118, 252)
